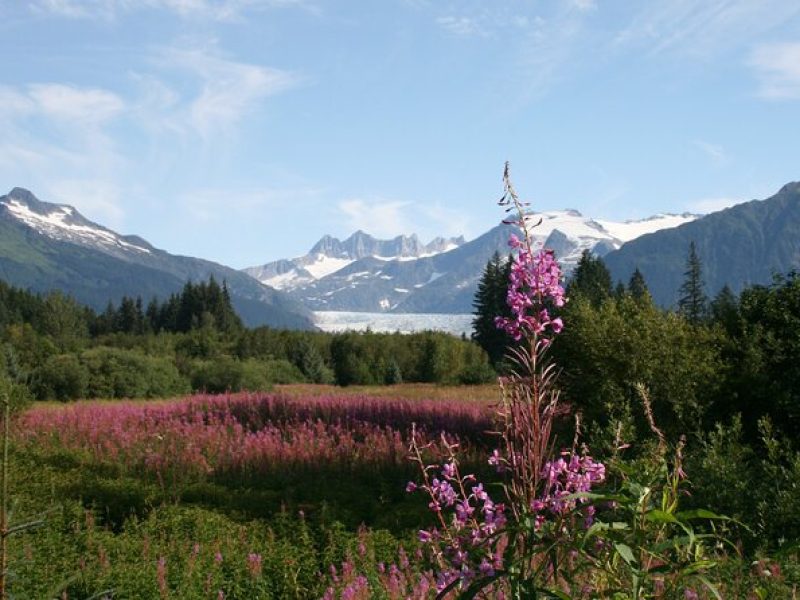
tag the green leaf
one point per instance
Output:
(660, 516)
(700, 513)
(710, 586)
(625, 552)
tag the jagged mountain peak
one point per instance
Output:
(330, 255)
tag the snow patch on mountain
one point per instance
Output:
(62, 223)
(331, 255)
(630, 230)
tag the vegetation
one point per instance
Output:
(61, 350)
(689, 414)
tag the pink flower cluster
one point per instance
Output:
(564, 479)
(466, 544)
(246, 435)
(535, 279)
(397, 581)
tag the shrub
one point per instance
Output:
(61, 377)
(118, 373)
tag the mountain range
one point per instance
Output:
(46, 246)
(405, 276)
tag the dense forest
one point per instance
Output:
(195, 341)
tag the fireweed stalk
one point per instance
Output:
(522, 547)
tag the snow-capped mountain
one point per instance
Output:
(330, 255)
(402, 275)
(62, 222)
(52, 246)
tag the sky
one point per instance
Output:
(241, 131)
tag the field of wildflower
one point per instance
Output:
(234, 496)
(314, 492)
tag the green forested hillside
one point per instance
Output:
(740, 246)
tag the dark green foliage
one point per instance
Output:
(637, 286)
(724, 309)
(61, 377)
(754, 482)
(693, 302)
(590, 280)
(489, 303)
(762, 351)
(309, 361)
(119, 373)
(605, 351)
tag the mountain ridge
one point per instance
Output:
(440, 277)
(46, 246)
(741, 245)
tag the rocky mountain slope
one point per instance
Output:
(403, 275)
(46, 246)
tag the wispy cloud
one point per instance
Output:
(228, 90)
(80, 106)
(209, 205)
(714, 152)
(378, 217)
(390, 218)
(218, 10)
(462, 25)
(704, 27)
(65, 103)
(777, 66)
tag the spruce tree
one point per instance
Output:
(725, 308)
(591, 280)
(490, 302)
(637, 286)
(693, 303)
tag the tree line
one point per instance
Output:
(703, 362)
(195, 341)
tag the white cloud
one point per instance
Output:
(58, 102)
(463, 26)
(584, 4)
(714, 152)
(79, 106)
(390, 218)
(704, 27)
(228, 89)
(708, 205)
(14, 103)
(777, 66)
(219, 10)
(377, 217)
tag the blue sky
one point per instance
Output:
(243, 130)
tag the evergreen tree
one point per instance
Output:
(637, 286)
(693, 303)
(490, 302)
(590, 280)
(725, 308)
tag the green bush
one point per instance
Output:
(61, 377)
(118, 373)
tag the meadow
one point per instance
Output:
(235, 496)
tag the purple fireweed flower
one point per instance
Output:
(535, 279)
